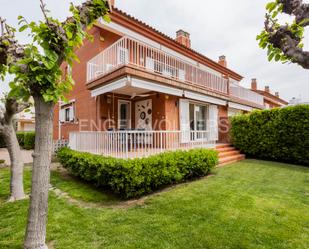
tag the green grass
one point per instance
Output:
(252, 204)
(80, 190)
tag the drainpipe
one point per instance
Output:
(59, 121)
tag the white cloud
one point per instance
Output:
(216, 27)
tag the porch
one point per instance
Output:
(137, 143)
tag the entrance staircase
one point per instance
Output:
(228, 154)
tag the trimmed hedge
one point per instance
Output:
(26, 140)
(277, 134)
(136, 177)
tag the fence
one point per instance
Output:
(136, 144)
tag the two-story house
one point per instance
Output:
(139, 91)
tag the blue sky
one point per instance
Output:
(221, 27)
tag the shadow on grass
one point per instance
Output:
(292, 167)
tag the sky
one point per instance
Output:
(221, 27)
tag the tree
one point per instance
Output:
(38, 74)
(12, 107)
(285, 42)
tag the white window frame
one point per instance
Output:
(198, 104)
(121, 101)
(63, 109)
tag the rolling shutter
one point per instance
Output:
(213, 123)
(184, 120)
(72, 113)
(62, 115)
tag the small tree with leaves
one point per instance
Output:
(12, 106)
(38, 74)
(285, 42)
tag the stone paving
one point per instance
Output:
(26, 155)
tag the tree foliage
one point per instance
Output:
(37, 68)
(285, 42)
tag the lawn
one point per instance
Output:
(251, 204)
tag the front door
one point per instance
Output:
(143, 115)
(124, 115)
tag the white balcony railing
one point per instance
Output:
(245, 94)
(128, 51)
(137, 144)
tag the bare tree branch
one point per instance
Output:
(298, 9)
(13, 106)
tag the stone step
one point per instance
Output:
(228, 153)
(231, 159)
(225, 149)
(220, 146)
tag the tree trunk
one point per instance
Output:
(17, 165)
(37, 216)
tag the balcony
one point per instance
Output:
(128, 51)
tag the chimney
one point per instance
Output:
(111, 3)
(222, 61)
(254, 84)
(277, 94)
(267, 89)
(183, 38)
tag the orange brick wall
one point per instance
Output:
(85, 105)
(223, 124)
(172, 113)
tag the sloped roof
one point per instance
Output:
(185, 50)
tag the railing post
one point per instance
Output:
(161, 141)
(228, 85)
(127, 144)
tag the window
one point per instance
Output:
(124, 115)
(67, 113)
(198, 117)
(198, 120)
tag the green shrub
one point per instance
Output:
(136, 177)
(278, 134)
(21, 138)
(29, 140)
(26, 140)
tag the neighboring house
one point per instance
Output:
(25, 121)
(145, 91)
(297, 101)
(270, 100)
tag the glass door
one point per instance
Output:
(198, 120)
(124, 115)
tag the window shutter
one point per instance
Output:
(72, 113)
(213, 123)
(62, 115)
(184, 120)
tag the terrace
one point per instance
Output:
(130, 52)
